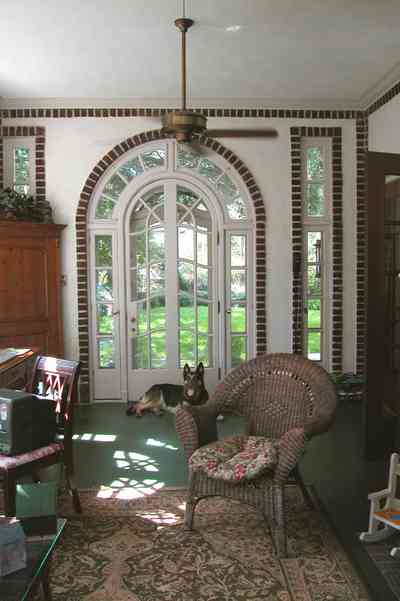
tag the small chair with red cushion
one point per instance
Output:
(56, 379)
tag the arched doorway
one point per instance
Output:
(171, 269)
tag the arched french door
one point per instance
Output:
(172, 285)
(171, 277)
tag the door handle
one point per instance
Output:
(228, 311)
(115, 312)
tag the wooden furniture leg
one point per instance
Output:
(9, 488)
(45, 580)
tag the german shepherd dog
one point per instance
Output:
(167, 397)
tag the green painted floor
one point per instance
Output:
(112, 449)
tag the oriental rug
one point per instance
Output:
(135, 550)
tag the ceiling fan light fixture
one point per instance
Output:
(183, 124)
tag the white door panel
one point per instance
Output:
(172, 288)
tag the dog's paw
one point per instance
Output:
(220, 418)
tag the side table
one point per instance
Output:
(22, 585)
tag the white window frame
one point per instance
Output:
(104, 376)
(9, 147)
(249, 303)
(323, 224)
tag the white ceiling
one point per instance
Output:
(296, 53)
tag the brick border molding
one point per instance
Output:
(39, 133)
(382, 100)
(82, 244)
(296, 134)
(68, 113)
(362, 242)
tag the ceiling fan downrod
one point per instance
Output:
(183, 24)
(184, 123)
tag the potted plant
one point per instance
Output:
(24, 207)
(349, 385)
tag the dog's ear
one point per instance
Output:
(186, 371)
(200, 370)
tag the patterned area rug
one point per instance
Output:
(136, 550)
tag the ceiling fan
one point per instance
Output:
(184, 124)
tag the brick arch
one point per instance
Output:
(82, 247)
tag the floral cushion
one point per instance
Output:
(13, 461)
(236, 458)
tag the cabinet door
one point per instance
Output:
(383, 310)
(30, 311)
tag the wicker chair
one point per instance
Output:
(285, 398)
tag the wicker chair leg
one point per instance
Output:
(190, 503)
(268, 507)
(279, 522)
(299, 481)
(189, 515)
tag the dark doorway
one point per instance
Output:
(382, 407)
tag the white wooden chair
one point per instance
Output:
(384, 516)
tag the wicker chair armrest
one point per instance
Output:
(291, 447)
(196, 426)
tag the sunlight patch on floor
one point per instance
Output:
(152, 442)
(95, 437)
(162, 518)
(137, 461)
(126, 489)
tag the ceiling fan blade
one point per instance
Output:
(241, 133)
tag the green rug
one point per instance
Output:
(135, 550)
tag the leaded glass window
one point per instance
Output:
(220, 180)
(115, 185)
(316, 241)
(104, 301)
(22, 175)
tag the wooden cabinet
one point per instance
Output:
(30, 281)
(14, 372)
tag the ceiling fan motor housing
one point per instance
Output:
(183, 124)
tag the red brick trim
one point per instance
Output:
(382, 100)
(40, 154)
(335, 133)
(82, 249)
(101, 113)
(362, 242)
